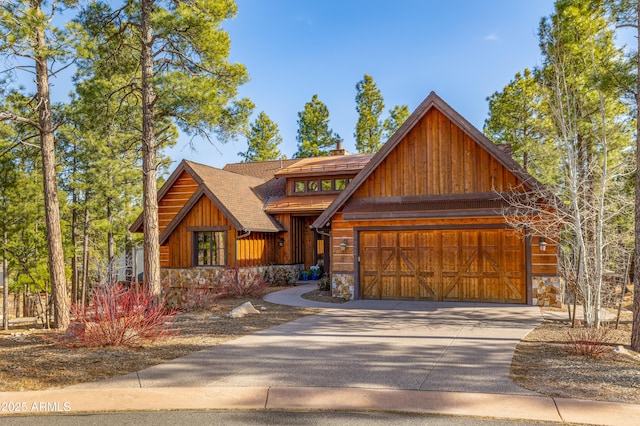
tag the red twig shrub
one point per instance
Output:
(193, 299)
(589, 341)
(238, 282)
(118, 316)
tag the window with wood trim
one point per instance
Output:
(340, 184)
(326, 185)
(210, 248)
(312, 185)
(299, 186)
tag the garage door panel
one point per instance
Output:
(452, 265)
(388, 289)
(370, 286)
(470, 289)
(428, 286)
(492, 288)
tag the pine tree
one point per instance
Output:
(517, 116)
(369, 105)
(27, 32)
(263, 140)
(572, 116)
(397, 116)
(182, 77)
(627, 14)
(315, 138)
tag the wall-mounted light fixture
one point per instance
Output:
(281, 242)
(343, 245)
(542, 243)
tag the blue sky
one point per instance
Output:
(464, 50)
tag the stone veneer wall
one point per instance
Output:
(176, 280)
(342, 286)
(547, 291)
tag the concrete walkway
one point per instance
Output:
(363, 355)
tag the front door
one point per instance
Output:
(309, 246)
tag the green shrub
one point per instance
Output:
(324, 284)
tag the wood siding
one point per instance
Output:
(544, 263)
(258, 248)
(203, 214)
(436, 157)
(255, 249)
(175, 198)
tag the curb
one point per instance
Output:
(499, 406)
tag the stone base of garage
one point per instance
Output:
(547, 291)
(342, 285)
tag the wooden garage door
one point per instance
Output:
(466, 265)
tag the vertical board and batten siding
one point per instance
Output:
(180, 242)
(455, 258)
(436, 158)
(258, 248)
(173, 201)
(255, 249)
(283, 254)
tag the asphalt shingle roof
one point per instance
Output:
(234, 194)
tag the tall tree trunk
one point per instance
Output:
(111, 250)
(74, 235)
(52, 209)
(128, 259)
(85, 252)
(5, 283)
(635, 332)
(149, 166)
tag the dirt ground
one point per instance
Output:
(541, 361)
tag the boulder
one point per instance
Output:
(242, 310)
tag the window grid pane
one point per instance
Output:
(210, 248)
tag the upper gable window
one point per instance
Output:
(312, 185)
(299, 186)
(326, 185)
(340, 184)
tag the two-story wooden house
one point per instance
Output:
(421, 219)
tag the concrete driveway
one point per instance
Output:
(364, 344)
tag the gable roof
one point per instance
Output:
(232, 194)
(261, 169)
(432, 101)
